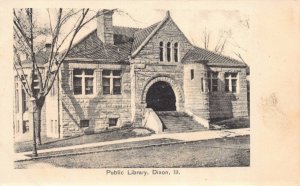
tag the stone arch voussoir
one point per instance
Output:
(178, 91)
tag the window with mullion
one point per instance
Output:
(112, 82)
(89, 85)
(117, 86)
(83, 81)
(77, 81)
(213, 81)
(231, 82)
(106, 85)
(24, 99)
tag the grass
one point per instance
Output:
(233, 123)
(224, 152)
(91, 138)
(112, 147)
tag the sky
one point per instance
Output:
(231, 24)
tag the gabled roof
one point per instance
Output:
(212, 58)
(142, 37)
(129, 41)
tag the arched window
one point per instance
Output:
(168, 51)
(176, 52)
(161, 51)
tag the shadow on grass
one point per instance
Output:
(223, 152)
(111, 135)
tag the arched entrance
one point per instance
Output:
(161, 97)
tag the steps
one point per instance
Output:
(178, 122)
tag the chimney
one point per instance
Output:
(105, 27)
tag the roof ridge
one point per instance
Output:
(147, 27)
(127, 27)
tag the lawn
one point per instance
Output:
(224, 152)
(233, 123)
(112, 147)
(91, 138)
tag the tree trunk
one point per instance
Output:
(37, 115)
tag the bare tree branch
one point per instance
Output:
(84, 13)
(20, 78)
(206, 39)
(239, 56)
(50, 23)
(19, 28)
(21, 67)
(223, 46)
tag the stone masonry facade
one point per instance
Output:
(105, 80)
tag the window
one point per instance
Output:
(16, 95)
(84, 123)
(168, 51)
(161, 51)
(176, 52)
(25, 126)
(23, 79)
(192, 74)
(24, 100)
(231, 82)
(83, 81)
(35, 84)
(111, 80)
(212, 81)
(24, 95)
(112, 122)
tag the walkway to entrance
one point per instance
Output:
(161, 97)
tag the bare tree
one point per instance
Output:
(26, 32)
(206, 37)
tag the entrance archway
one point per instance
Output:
(161, 97)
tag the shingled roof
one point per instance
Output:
(91, 47)
(129, 41)
(141, 35)
(41, 58)
(212, 58)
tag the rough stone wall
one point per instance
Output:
(169, 32)
(227, 105)
(97, 108)
(195, 90)
(148, 66)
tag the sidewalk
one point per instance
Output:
(185, 137)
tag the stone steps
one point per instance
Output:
(178, 122)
